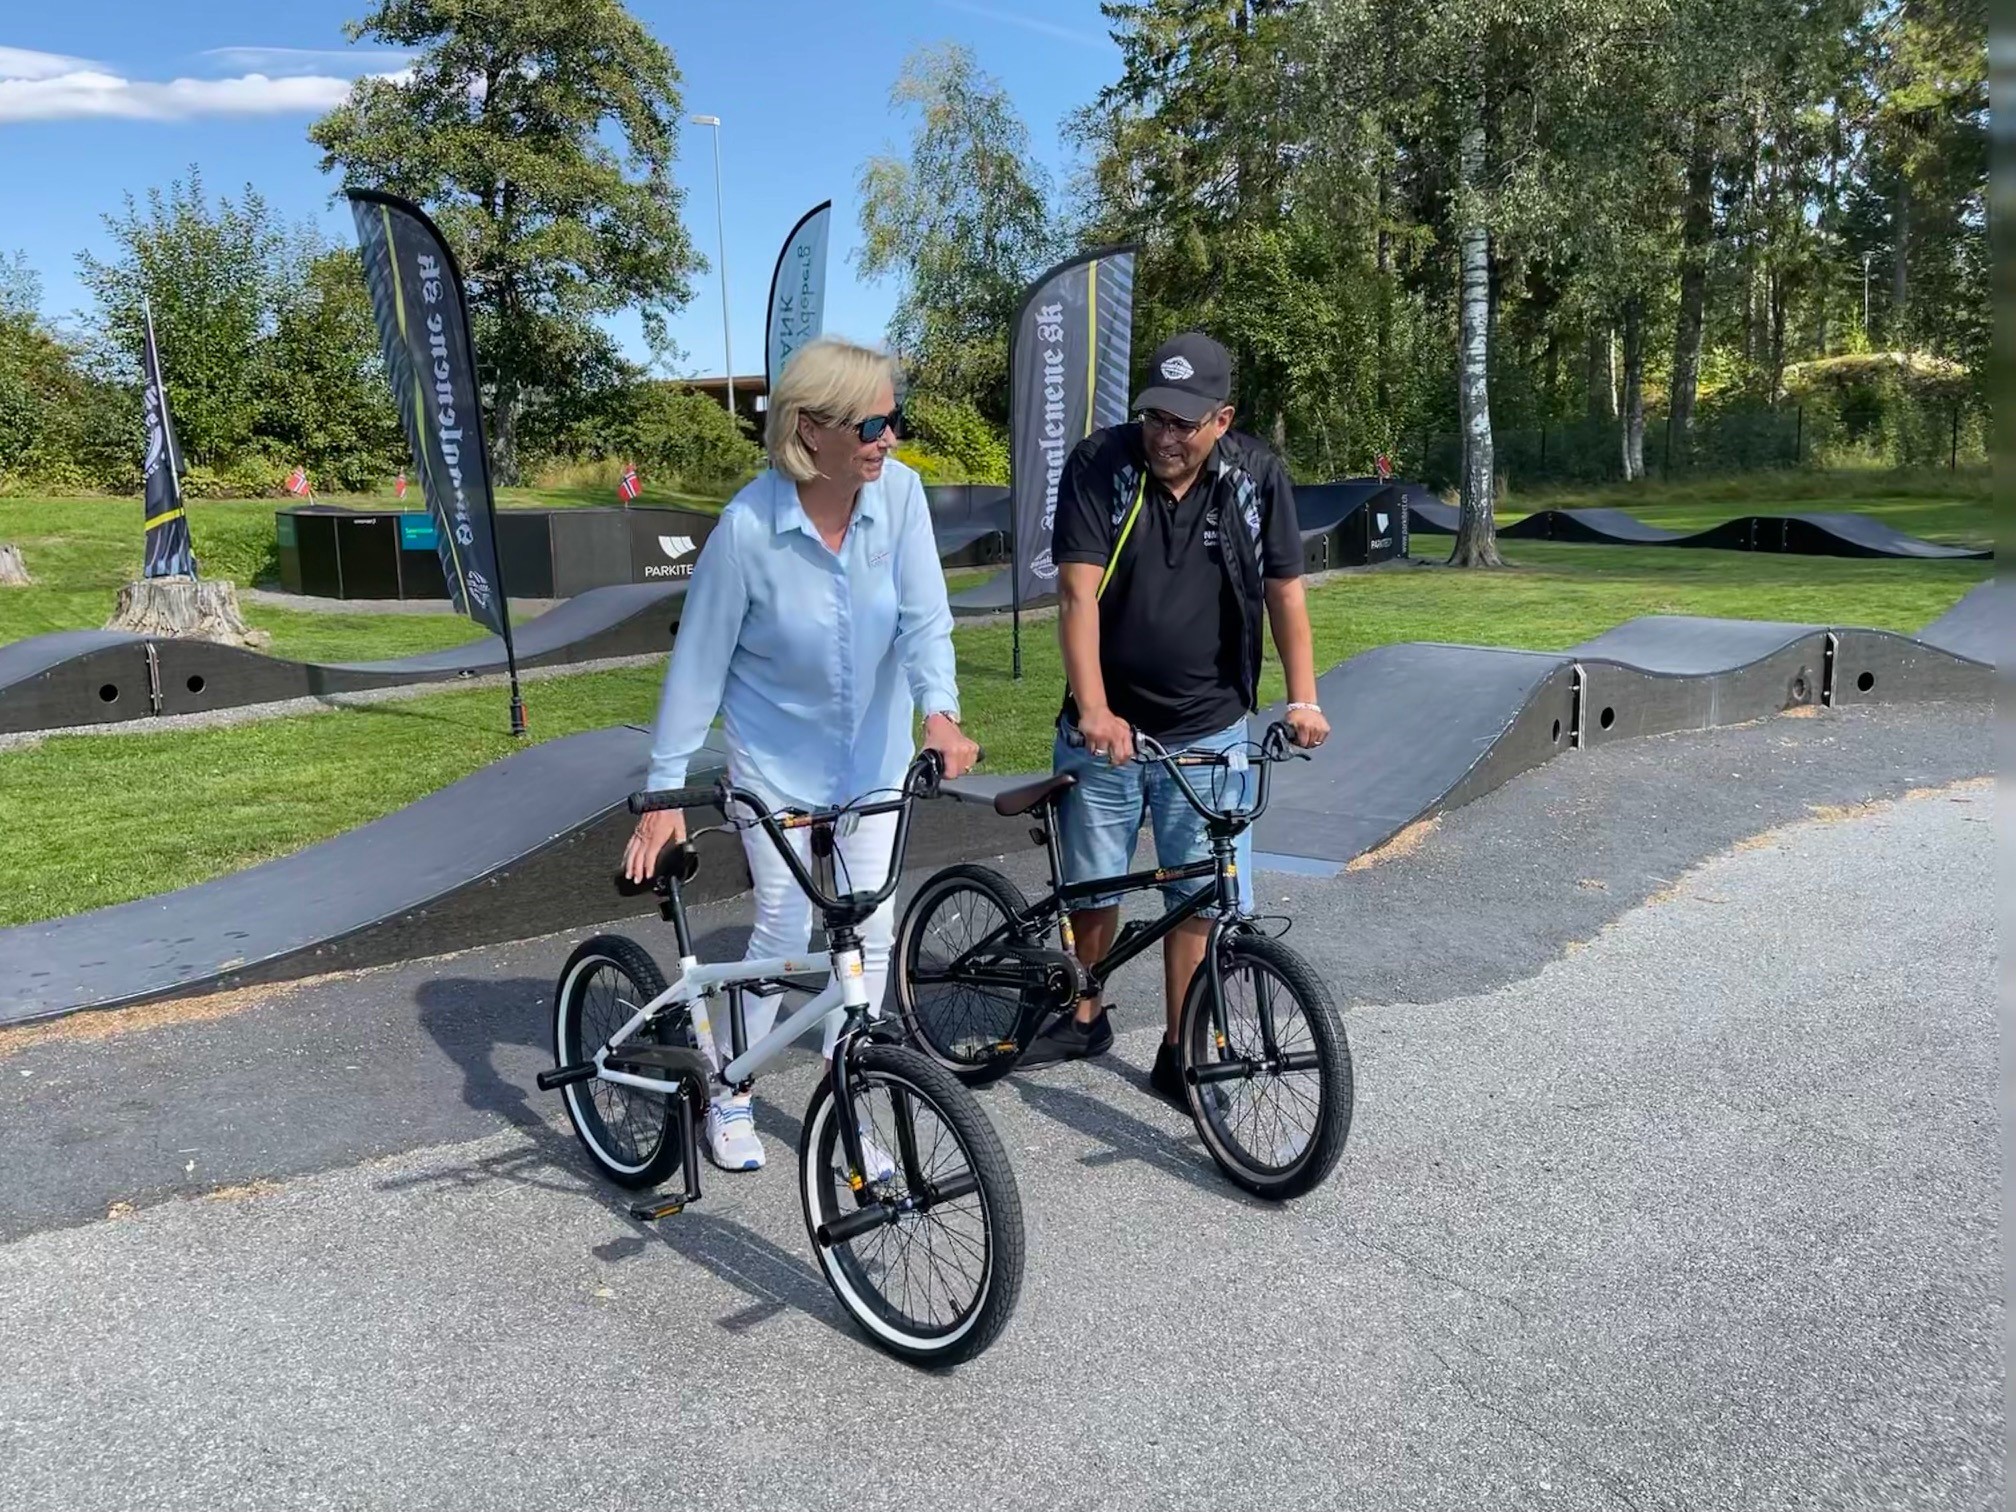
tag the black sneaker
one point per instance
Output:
(1167, 1077)
(1067, 1039)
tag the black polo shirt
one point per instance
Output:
(1174, 643)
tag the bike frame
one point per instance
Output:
(846, 990)
(1224, 827)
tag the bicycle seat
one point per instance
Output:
(1021, 799)
(678, 863)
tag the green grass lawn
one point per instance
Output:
(86, 821)
(80, 551)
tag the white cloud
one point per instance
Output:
(284, 61)
(21, 63)
(39, 86)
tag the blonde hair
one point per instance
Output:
(831, 380)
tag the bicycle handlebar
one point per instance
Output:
(923, 779)
(673, 798)
(1275, 745)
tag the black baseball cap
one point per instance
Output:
(1190, 377)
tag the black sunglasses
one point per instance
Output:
(1167, 422)
(871, 429)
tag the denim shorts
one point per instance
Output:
(1100, 818)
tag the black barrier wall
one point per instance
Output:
(330, 552)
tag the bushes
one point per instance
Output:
(949, 436)
(688, 438)
(1893, 409)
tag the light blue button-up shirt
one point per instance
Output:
(817, 660)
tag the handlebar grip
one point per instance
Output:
(630, 889)
(1075, 737)
(674, 798)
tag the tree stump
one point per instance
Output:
(13, 571)
(184, 608)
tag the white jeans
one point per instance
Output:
(783, 925)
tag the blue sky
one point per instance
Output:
(99, 97)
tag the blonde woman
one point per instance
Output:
(816, 625)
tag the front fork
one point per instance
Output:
(1229, 921)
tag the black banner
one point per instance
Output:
(166, 553)
(1069, 372)
(423, 325)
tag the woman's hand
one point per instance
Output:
(951, 744)
(654, 832)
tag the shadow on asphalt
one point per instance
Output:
(1127, 1137)
(773, 1279)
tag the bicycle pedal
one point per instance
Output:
(651, 1212)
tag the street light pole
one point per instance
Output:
(721, 240)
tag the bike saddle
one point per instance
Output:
(1019, 800)
(678, 862)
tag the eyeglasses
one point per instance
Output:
(1170, 423)
(871, 429)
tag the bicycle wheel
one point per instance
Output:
(936, 1285)
(960, 1023)
(627, 1132)
(1276, 1132)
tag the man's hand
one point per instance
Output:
(1107, 736)
(958, 752)
(1308, 728)
(654, 832)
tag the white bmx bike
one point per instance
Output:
(909, 1201)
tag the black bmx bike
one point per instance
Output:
(1265, 1063)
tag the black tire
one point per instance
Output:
(1243, 1122)
(628, 1133)
(959, 1026)
(955, 1137)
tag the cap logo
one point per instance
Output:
(1176, 369)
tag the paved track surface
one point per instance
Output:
(1674, 1182)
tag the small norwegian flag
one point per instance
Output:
(1385, 466)
(399, 486)
(297, 481)
(628, 487)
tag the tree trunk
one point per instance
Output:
(1602, 393)
(1695, 227)
(1477, 533)
(13, 571)
(1777, 295)
(1634, 389)
(184, 608)
(1900, 267)
(1753, 345)
(504, 438)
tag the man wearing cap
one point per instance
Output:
(1175, 537)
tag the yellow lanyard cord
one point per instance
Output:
(1126, 529)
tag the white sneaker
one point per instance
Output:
(732, 1143)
